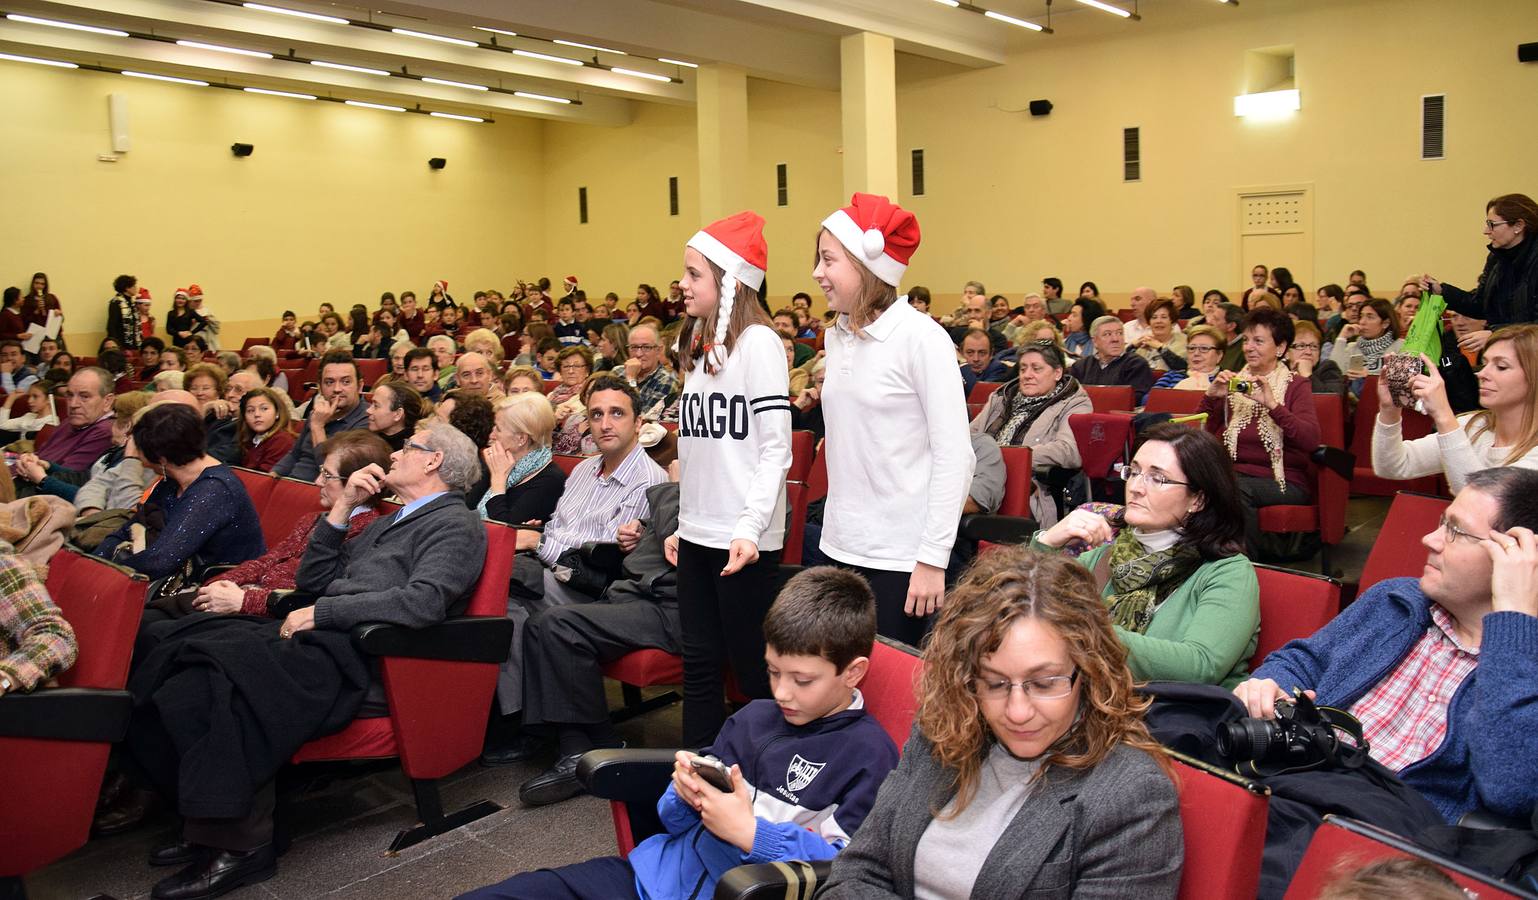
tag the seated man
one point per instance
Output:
(196, 693)
(1442, 673)
(804, 766)
(15, 374)
(422, 372)
(474, 373)
(335, 408)
(1112, 363)
(979, 363)
(78, 442)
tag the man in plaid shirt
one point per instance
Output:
(1443, 671)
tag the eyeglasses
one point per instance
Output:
(1154, 480)
(1453, 532)
(1305, 346)
(574, 367)
(1049, 687)
(645, 348)
(1200, 348)
(413, 445)
(328, 475)
(1491, 226)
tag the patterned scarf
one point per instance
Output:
(1022, 411)
(1141, 581)
(532, 462)
(1372, 349)
(1241, 410)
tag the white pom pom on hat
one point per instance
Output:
(877, 232)
(873, 243)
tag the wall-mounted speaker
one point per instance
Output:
(117, 121)
(436, 163)
(242, 150)
(1527, 52)
(1041, 107)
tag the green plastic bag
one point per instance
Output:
(1425, 333)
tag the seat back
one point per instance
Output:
(1342, 845)
(102, 602)
(1333, 489)
(890, 687)
(1110, 397)
(1412, 425)
(371, 370)
(567, 463)
(1398, 550)
(258, 487)
(290, 501)
(1169, 400)
(1103, 440)
(1223, 821)
(1017, 482)
(982, 390)
(803, 445)
(817, 478)
(1292, 605)
(252, 342)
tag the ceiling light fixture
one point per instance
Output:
(52, 23)
(444, 115)
(590, 47)
(272, 93)
(458, 84)
(192, 81)
(678, 62)
(346, 68)
(362, 104)
(650, 76)
(434, 37)
(495, 30)
(298, 14)
(548, 99)
(951, 3)
(530, 54)
(1011, 20)
(1266, 105)
(1113, 10)
(198, 45)
(57, 63)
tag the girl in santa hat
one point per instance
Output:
(733, 453)
(899, 457)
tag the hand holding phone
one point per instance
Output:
(713, 771)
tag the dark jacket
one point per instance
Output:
(1507, 292)
(648, 574)
(1129, 369)
(212, 522)
(532, 501)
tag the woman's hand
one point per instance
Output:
(743, 553)
(1431, 283)
(1264, 395)
(1474, 340)
(926, 590)
(1218, 389)
(1431, 391)
(223, 597)
(1388, 412)
(1081, 524)
(1349, 331)
(670, 550)
(499, 461)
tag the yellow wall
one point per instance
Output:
(336, 203)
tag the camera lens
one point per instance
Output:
(1248, 738)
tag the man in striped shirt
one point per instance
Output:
(1442, 672)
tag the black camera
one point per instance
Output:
(1302, 736)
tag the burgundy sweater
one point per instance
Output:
(1299, 422)
(275, 570)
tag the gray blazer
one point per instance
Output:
(1112, 832)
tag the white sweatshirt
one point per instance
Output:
(899, 453)
(734, 446)
(1451, 454)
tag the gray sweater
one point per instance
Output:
(415, 572)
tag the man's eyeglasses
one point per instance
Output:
(1453, 532)
(1153, 479)
(1049, 687)
(645, 348)
(413, 445)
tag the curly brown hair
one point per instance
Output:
(1000, 587)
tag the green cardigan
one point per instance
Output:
(1204, 633)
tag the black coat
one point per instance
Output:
(1507, 293)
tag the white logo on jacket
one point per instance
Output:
(800, 773)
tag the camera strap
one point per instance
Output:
(1343, 746)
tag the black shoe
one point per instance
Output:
(176, 853)
(218, 873)
(130, 808)
(557, 783)
(521, 748)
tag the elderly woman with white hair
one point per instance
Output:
(525, 483)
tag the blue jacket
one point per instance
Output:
(1489, 757)
(812, 786)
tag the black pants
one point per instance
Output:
(723, 622)
(1260, 492)
(892, 619)
(566, 647)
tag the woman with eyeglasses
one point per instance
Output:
(1507, 291)
(573, 365)
(1324, 376)
(1183, 597)
(1030, 772)
(1503, 433)
(1205, 346)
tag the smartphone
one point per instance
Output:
(714, 771)
(1357, 363)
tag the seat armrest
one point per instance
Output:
(763, 881)
(1487, 820)
(631, 776)
(480, 639)
(66, 714)
(1336, 460)
(997, 529)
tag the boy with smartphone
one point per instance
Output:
(803, 768)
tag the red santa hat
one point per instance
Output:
(736, 244)
(441, 285)
(878, 233)
(571, 283)
(144, 296)
(194, 291)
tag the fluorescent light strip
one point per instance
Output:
(173, 80)
(590, 47)
(528, 96)
(458, 84)
(1268, 104)
(67, 65)
(677, 62)
(443, 115)
(1011, 20)
(346, 68)
(197, 45)
(298, 14)
(530, 54)
(950, 3)
(634, 74)
(34, 20)
(1114, 10)
(495, 30)
(360, 103)
(434, 37)
(271, 93)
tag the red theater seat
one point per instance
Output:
(567, 463)
(1292, 605)
(1412, 425)
(371, 370)
(1327, 513)
(1169, 400)
(981, 391)
(1397, 551)
(1223, 821)
(1344, 845)
(1111, 398)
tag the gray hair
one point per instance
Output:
(105, 380)
(263, 350)
(441, 339)
(978, 285)
(461, 466)
(1094, 327)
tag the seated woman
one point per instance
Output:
(1164, 346)
(1076, 325)
(1271, 429)
(246, 588)
(263, 433)
(1183, 597)
(473, 415)
(520, 379)
(1504, 433)
(1324, 376)
(393, 412)
(198, 513)
(1032, 411)
(613, 347)
(1029, 771)
(1375, 333)
(524, 484)
(1205, 347)
(206, 382)
(575, 365)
